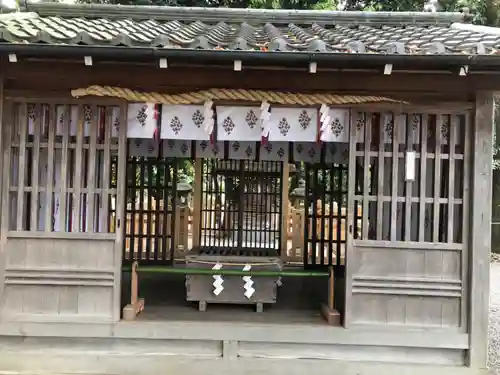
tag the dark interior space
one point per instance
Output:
(298, 301)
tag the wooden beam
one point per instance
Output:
(198, 181)
(77, 181)
(105, 197)
(21, 166)
(177, 79)
(63, 181)
(367, 170)
(423, 177)
(5, 126)
(120, 207)
(35, 201)
(481, 229)
(437, 124)
(285, 210)
(467, 139)
(397, 126)
(91, 169)
(349, 270)
(52, 126)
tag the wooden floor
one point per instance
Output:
(299, 301)
(232, 314)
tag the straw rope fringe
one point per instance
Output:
(198, 97)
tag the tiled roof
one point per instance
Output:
(248, 30)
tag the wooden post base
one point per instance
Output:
(136, 305)
(130, 311)
(332, 316)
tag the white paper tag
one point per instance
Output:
(410, 165)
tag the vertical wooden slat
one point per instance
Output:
(5, 150)
(52, 121)
(451, 176)
(77, 181)
(351, 187)
(23, 131)
(396, 125)
(106, 172)
(37, 128)
(481, 230)
(437, 179)
(380, 178)
(120, 208)
(63, 183)
(285, 210)
(468, 121)
(423, 177)
(94, 125)
(197, 198)
(366, 173)
(409, 184)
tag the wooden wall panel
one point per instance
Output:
(58, 279)
(408, 267)
(417, 286)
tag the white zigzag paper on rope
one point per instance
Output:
(218, 280)
(249, 290)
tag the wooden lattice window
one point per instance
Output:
(63, 167)
(432, 206)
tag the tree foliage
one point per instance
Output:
(485, 12)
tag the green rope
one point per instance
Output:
(223, 272)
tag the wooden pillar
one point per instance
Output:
(331, 315)
(480, 243)
(5, 127)
(284, 211)
(120, 206)
(198, 181)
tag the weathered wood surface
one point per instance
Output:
(407, 268)
(481, 228)
(33, 75)
(58, 280)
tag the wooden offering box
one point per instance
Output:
(201, 288)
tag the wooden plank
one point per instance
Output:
(63, 235)
(120, 209)
(437, 180)
(6, 118)
(285, 210)
(481, 229)
(77, 181)
(37, 128)
(468, 123)
(38, 74)
(423, 177)
(23, 131)
(380, 178)
(349, 251)
(366, 175)
(451, 177)
(409, 184)
(94, 125)
(197, 198)
(410, 245)
(52, 124)
(63, 182)
(396, 125)
(105, 195)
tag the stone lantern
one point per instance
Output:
(184, 188)
(298, 195)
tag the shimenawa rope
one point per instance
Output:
(198, 97)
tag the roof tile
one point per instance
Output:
(366, 34)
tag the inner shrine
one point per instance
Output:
(232, 190)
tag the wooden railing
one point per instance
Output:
(295, 230)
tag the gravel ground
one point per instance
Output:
(494, 348)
